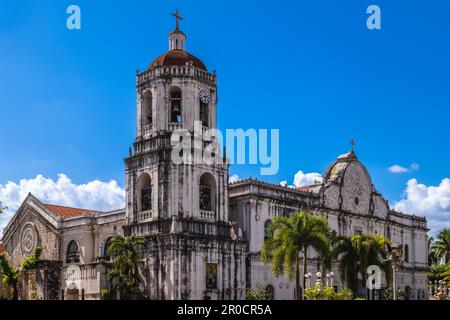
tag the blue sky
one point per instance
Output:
(309, 68)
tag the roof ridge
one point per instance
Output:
(69, 207)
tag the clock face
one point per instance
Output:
(204, 96)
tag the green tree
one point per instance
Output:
(446, 274)
(30, 262)
(10, 276)
(437, 272)
(431, 253)
(441, 246)
(125, 269)
(289, 238)
(356, 253)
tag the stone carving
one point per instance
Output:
(28, 239)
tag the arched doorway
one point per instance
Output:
(72, 292)
(407, 293)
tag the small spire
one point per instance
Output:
(353, 142)
(178, 17)
(177, 39)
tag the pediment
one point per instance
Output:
(31, 212)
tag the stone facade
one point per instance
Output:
(203, 236)
(40, 231)
(351, 205)
(41, 283)
(35, 224)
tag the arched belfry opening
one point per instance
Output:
(207, 196)
(144, 197)
(175, 105)
(147, 110)
(204, 112)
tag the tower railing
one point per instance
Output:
(144, 216)
(146, 130)
(175, 126)
(208, 215)
(176, 71)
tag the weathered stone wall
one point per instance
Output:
(42, 283)
(45, 237)
(351, 206)
(175, 268)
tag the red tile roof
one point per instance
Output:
(177, 58)
(2, 248)
(305, 188)
(68, 212)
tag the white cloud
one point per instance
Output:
(305, 179)
(433, 202)
(96, 195)
(283, 183)
(399, 169)
(234, 178)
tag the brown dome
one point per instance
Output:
(177, 58)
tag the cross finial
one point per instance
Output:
(353, 142)
(178, 17)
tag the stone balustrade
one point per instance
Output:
(175, 126)
(208, 215)
(144, 216)
(147, 130)
(176, 71)
(182, 226)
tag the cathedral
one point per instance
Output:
(203, 234)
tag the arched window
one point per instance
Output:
(175, 105)
(406, 254)
(73, 252)
(204, 113)
(144, 193)
(267, 229)
(207, 192)
(147, 112)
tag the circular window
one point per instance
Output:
(28, 239)
(356, 200)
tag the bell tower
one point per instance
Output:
(181, 209)
(175, 93)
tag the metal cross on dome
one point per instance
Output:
(353, 142)
(178, 17)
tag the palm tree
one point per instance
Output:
(291, 236)
(431, 253)
(125, 269)
(437, 272)
(446, 273)
(356, 253)
(441, 246)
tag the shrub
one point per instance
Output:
(257, 294)
(327, 293)
(30, 262)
